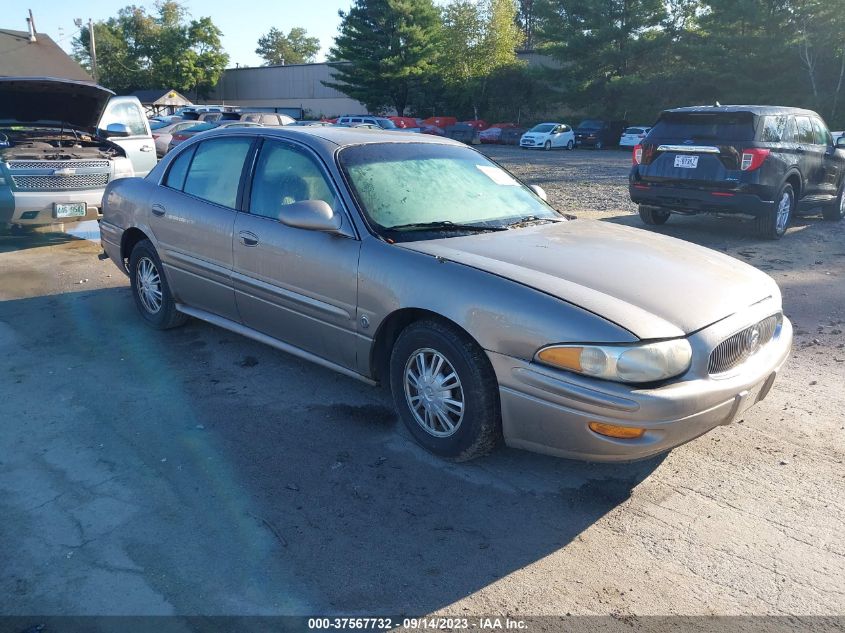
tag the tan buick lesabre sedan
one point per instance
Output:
(417, 261)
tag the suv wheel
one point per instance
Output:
(445, 391)
(773, 224)
(653, 216)
(150, 290)
(836, 210)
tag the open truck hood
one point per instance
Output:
(49, 101)
(652, 285)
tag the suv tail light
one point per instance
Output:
(753, 158)
(638, 154)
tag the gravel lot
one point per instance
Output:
(197, 472)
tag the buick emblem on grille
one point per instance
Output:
(754, 340)
(65, 171)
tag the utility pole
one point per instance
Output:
(93, 48)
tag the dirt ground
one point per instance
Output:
(197, 472)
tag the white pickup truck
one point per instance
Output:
(61, 143)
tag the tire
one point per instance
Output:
(773, 224)
(653, 216)
(836, 210)
(570, 145)
(598, 145)
(478, 427)
(547, 146)
(144, 263)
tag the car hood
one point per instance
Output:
(49, 101)
(652, 285)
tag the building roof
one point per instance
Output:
(42, 58)
(158, 96)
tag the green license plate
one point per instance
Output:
(70, 209)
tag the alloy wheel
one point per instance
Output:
(148, 282)
(784, 211)
(434, 392)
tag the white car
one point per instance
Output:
(633, 136)
(548, 136)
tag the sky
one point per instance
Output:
(242, 24)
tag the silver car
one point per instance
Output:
(416, 261)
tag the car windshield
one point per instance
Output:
(590, 125)
(386, 124)
(543, 128)
(157, 125)
(634, 130)
(402, 187)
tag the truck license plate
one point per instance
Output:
(71, 209)
(687, 162)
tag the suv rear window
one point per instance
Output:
(774, 129)
(725, 126)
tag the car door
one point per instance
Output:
(810, 156)
(139, 146)
(296, 285)
(192, 219)
(829, 167)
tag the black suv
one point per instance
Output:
(597, 133)
(763, 162)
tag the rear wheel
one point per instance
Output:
(150, 290)
(599, 145)
(570, 145)
(653, 216)
(772, 225)
(836, 210)
(445, 390)
(547, 146)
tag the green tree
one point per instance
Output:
(479, 39)
(137, 50)
(294, 48)
(390, 47)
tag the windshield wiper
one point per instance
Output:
(531, 219)
(444, 225)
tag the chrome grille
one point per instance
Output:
(58, 164)
(60, 183)
(738, 348)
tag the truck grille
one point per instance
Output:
(60, 183)
(58, 164)
(738, 348)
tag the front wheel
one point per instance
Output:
(653, 216)
(547, 146)
(599, 145)
(445, 390)
(772, 224)
(570, 145)
(836, 210)
(150, 289)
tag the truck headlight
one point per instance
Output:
(638, 363)
(122, 168)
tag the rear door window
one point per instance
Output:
(178, 169)
(805, 130)
(215, 172)
(705, 126)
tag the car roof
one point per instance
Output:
(328, 139)
(752, 109)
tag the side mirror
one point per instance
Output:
(311, 215)
(116, 130)
(840, 142)
(541, 193)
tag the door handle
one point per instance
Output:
(158, 210)
(799, 149)
(248, 239)
(146, 148)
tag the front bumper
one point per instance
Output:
(548, 411)
(691, 200)
(35, 208)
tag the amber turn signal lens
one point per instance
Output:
(614, 430)
(564, 357)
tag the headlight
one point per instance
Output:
(122, 168)
(647, 362)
